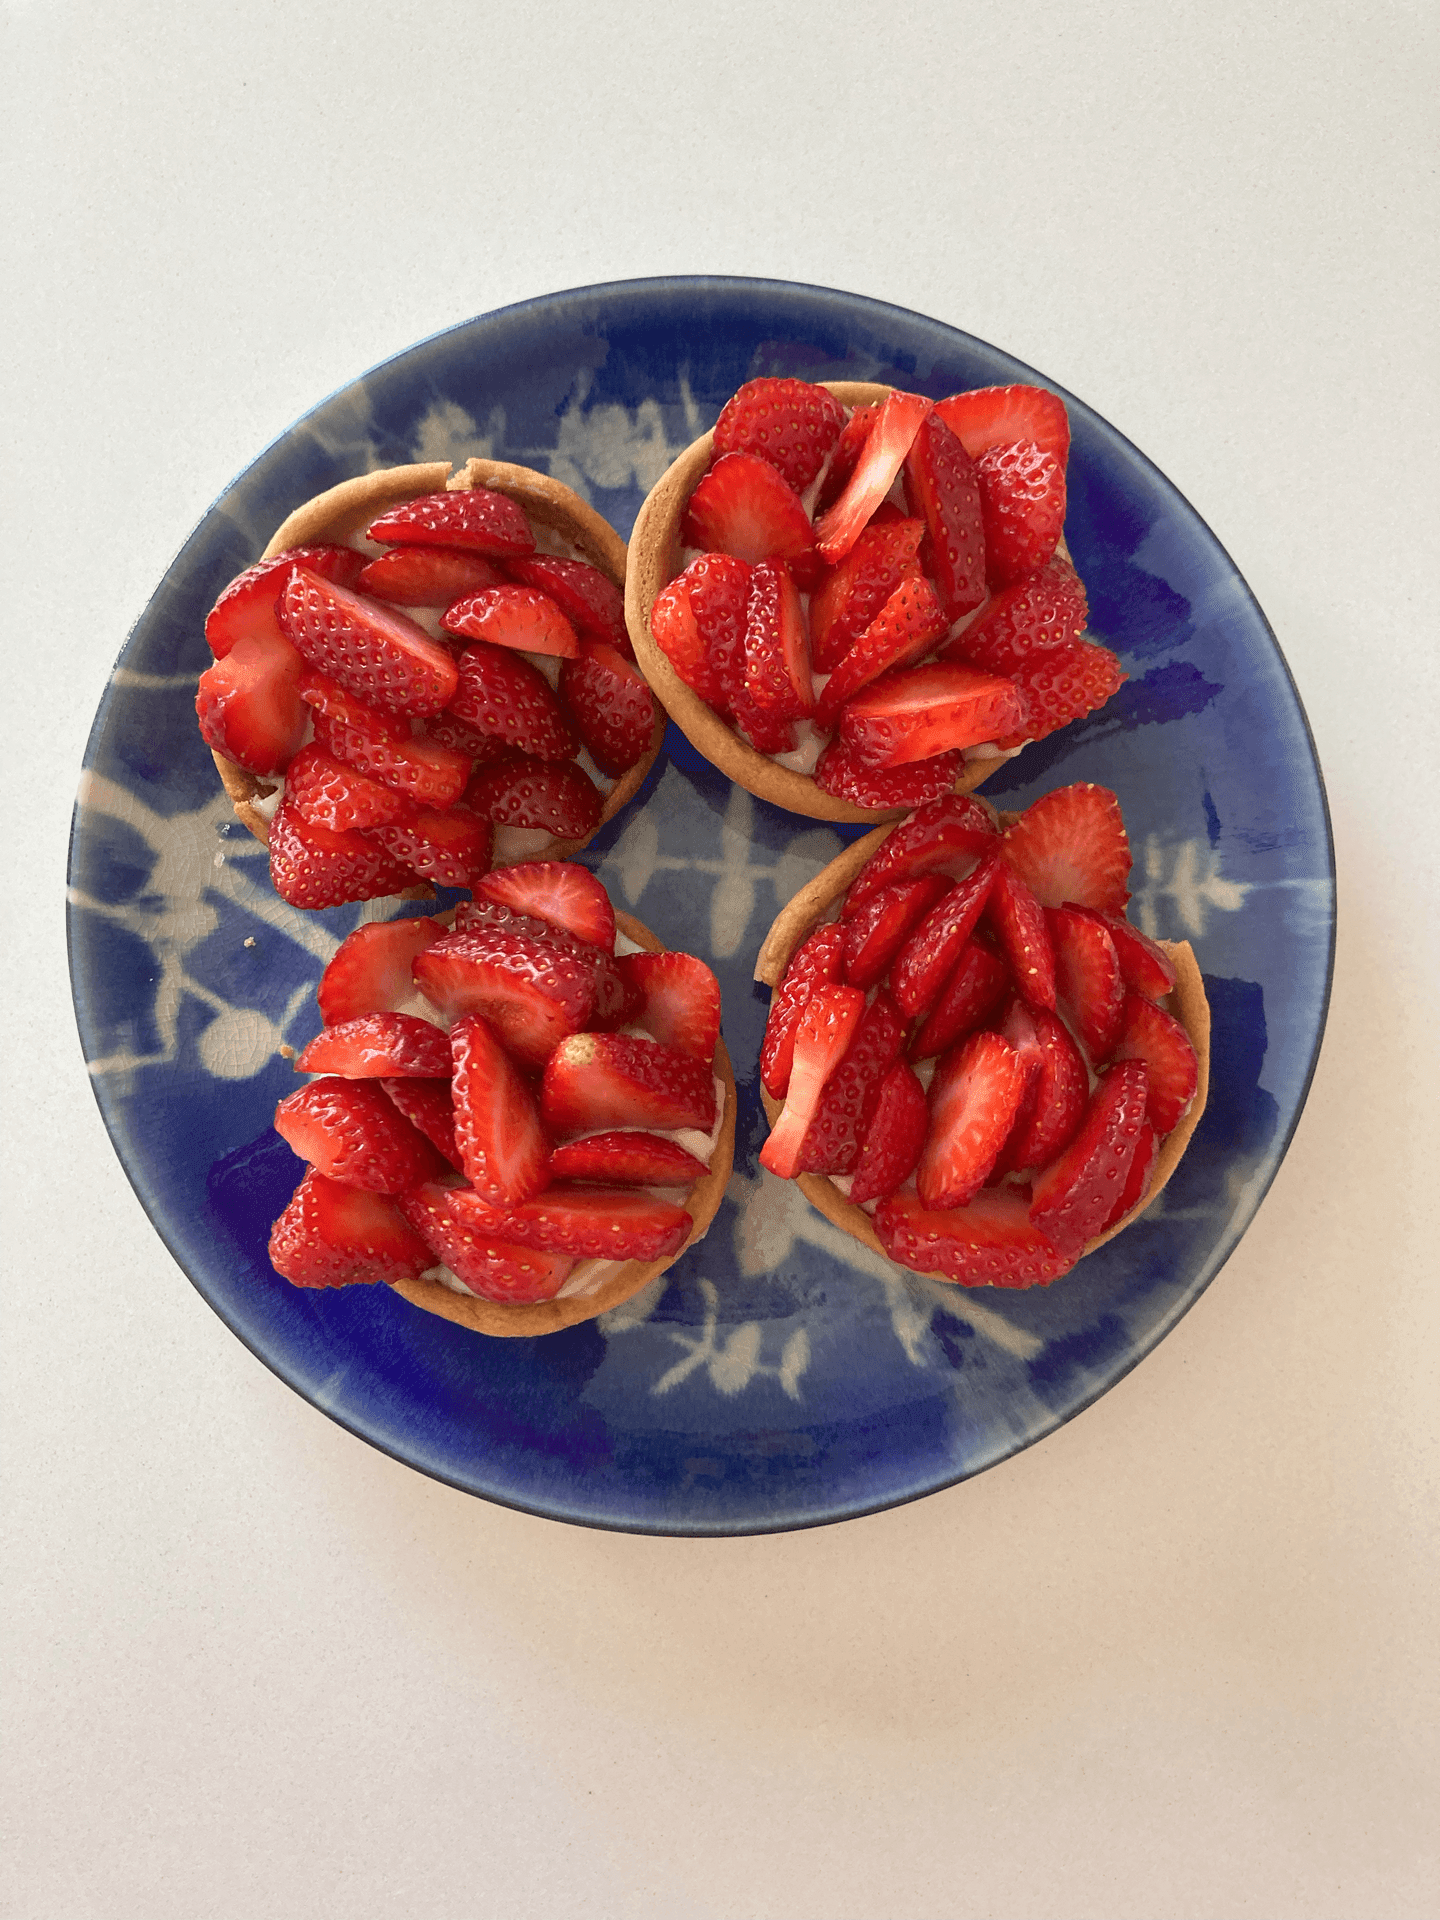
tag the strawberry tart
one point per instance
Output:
(426, 675)
(524, 1111)
(854, 599)
(974, 1062)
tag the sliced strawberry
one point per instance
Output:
(790, 423)
(894, 1136)
(249, 704)
(504, 1150)
(1150, 1034)
(616, 1003)
(1022, 502)
(974, 1098)
(743, 507)
(679, 1000)
(327, 793)
(374, 1045)
(906, 627)
(1137, 1181)
(595, 1081)
(765, 731)
(1145, 967)
(446, 1218)
(822, 1040)
(520, 791)
(841, 1120)
(311, 866)
(611, 704)
(350, 1132)
(370, 970)
(532, 992)
(990, 1243)
(875, 934)
(1054, 1105)
(430, 1108)
(1071, 849)
(332, 1235)
(676, 632)
(480, 749)
(941, 484)
(248, 606)
(977, 981)
(719, 588)
(510, 616)
(989, 417)
(1016, 1024)
(628, 1160)
(427, 576)
(593, 604)
(381, 744)
(845, 458)
(588, 1223)
(932, 951)
(914, 713)
(1042, 610)
(883, 455)
(558, 891)
(944, 836)
(372, 650)
(838, 772)
(850, 595)
(506, 698)
(1088, 984)
(476, 519)
(1061, 684)
(1019, 923)
(816, 962)
(777, 647)
(450, 849)
(1075, 1195)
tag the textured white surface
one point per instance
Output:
(1179, 1659)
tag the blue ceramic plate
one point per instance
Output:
(778, 1376)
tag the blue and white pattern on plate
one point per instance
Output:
(778, 1376)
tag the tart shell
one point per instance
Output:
(811, 905)
(549, 1316)
(346, 509)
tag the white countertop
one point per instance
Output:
(1177, 1660)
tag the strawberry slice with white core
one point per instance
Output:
(558, 891)
(1150, 1034)
(520, 791)
(944, 836)
(475, 519)
(381, 744)
(838, 772)
(883, 455)
(326, 792)
(588, 1223)
(1088, 984)
(1022, 505)
(370, 970)
(1137, 1181)
(332, 1235)
(627, 1160)
(249, 704)
(593, 604)
(430, 1109)
(1055, 1104)
(533, 993)
(504, 1149)
(350, 1132)
(791, 423)
(1033, 614)
(248, 608)
(374, 1045)
(1071, 849)
(503, 697)
(976, 983)
(1145, 967)
(611, 704)
(450, 848)
(679, 1000)
(988, 417)
(777, 647)
(941, 484)
(917, 712)
(372, 650)
(1018, 922)
(842, 1114)
(846, 456)
(905, 629)
(974, 1098)
(822, 1039)
(594, 1081)
(850, 595)
(893, 1138)
(932, 951)
(312, 866)
(875, 934)
(743, 507)
(990, 1243)
(1076, 1194)
(512, 616)
(445, 1218)
(816, 962)
(427, 576)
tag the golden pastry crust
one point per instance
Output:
(811, 905)
(333, 516)
(548, 1316)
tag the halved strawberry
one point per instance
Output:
(977, 981)
(446, 1218)
(917, 712)
(370, 970)
(627, 1159)
(430, 1108)
(1054, 1105)
(816, 962)
(558, 891)
(511, 616)
(990, 1243)
(595, 1081)
(894, 1136)
(1145, 967)
(452, 848)
(988, 417)
(943, 836)
(875, 934)
(533, 992)
(327, 793)
(1070, 848)
(679, 1000)
(1088, 984)
(476, 519)
(520, 791)
(374, 1045)
(932, 951)
(850, 595)
(504, 1149)
(881, 458)
(616, 1003)
(1075, 1195)
(777, 647)
(332, 1235)
(1060, 684)
(790, 423)
(427, 576)
(350, 1132)
(1022, 502)
(941, 484)
(1147, 1152)
(822, 1039)
(592, 604)
(504, 697)
(836, 1132)
(1149, 1033)
(249, 704)
(846, 457)
(837, 771)
(611, 704)
(1018, 920)
(372, 650)
(1044, 609)
(906, 627)
(382, 745)
(588, 1223)
(248, 606)
(743, 507)
(311, 866)
(974, 1098)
